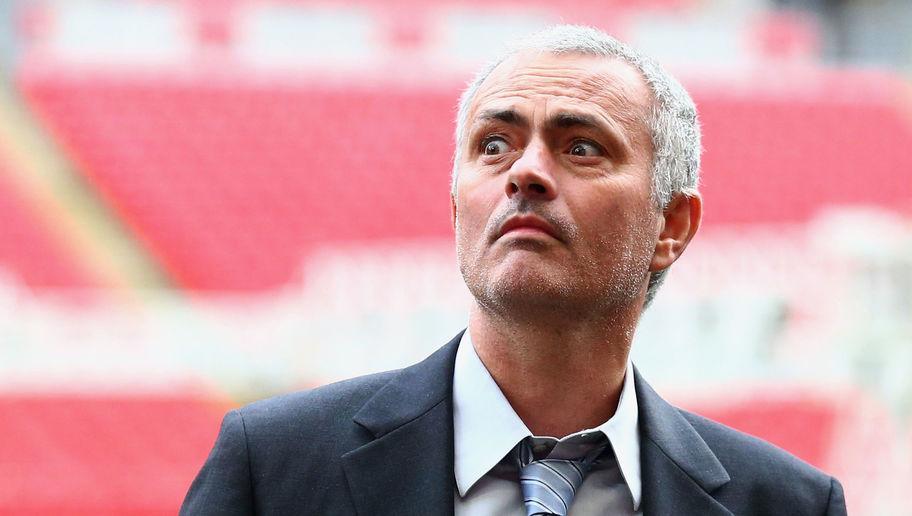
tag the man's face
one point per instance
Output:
(552, 206)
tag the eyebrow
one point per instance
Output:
(568, 120)
(617, 141)
(563, 120)
(507, 116)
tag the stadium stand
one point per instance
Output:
(230, 183)
(31, 254)
(779, 156)
(230, 187)
(68, 455)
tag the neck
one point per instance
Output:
(560, 374)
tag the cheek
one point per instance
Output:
(474, 205)
(624, 222)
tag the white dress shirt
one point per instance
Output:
(486, 429)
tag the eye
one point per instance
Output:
(585, 149)
(494, 145)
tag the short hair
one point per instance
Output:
(672, 121)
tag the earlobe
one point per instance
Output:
(681, 219)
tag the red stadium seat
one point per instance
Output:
(98, 455)
(773, 158)
(230, 187)
(31, 253)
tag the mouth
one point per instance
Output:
(527, 225)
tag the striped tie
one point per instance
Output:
(548, 485)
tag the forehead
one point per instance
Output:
(606, 86)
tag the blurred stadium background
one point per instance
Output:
(208, 202)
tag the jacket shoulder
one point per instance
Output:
(323, 407)
(287, 442)
(286, 454)
(767, 477)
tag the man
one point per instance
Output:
(574, 189)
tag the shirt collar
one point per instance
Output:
(486, 428)
(623, 432)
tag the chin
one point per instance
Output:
(539, 288)
(524, 288)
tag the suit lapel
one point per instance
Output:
(408, 467)
(679, 471)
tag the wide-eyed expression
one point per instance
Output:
(553, 204)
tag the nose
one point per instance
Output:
(531, 175)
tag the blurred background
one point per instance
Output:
(203, 203)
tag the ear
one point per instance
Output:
(679, 224)
(453, 209)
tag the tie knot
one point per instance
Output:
(549, 485)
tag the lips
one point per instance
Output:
(527, 222)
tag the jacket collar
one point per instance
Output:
(408, 467)
(679, 470)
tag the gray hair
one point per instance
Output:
(672, 121)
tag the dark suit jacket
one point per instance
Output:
(383, 444)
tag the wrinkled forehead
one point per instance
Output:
(607, 86)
